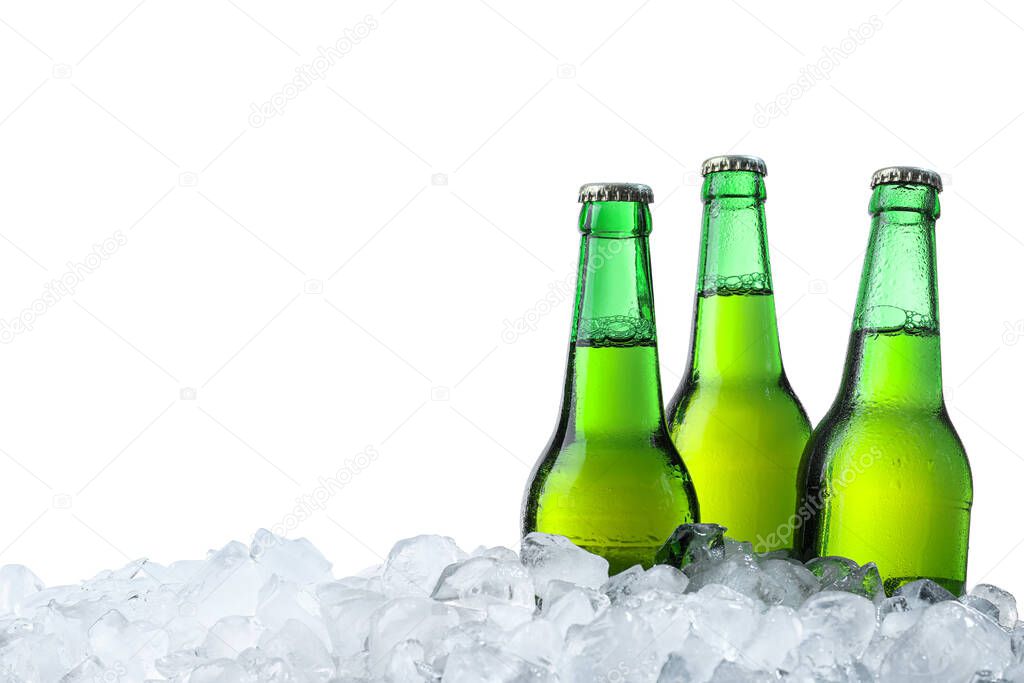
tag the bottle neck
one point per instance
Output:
(612, 382)
(894, 356)
(614, 297)
(735, 333)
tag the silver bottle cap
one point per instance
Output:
(903, 175)
(733, 162)
(616, 192)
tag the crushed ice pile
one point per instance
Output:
(272, 611)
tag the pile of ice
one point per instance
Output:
(271, 611)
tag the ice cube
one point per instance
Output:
(491, 664)
(668, 614)
(406, 664)
(635, 581)
(663, 577)
(876, 651)
(796, 582)
(219, 671)
(481, 581)
(1017, 642)
(948, 643)
(733, 672)
(30, 656)
(772, 646)
(415, 564)
(136, 645)
(178, 665)
(676, 669)
(841, 574)
(692, 543)
(772, 582)
(739, 549)
(281, 601)
(694, 660)
(231, 635)
(866, 581)
(837, 626)
(261, 667)
(498, 553)
(923, 593)
(185, 633)
(302, 649)
(353, 667)
(17, 584)
(895, 616)
(347, 613)
(550, 557)
(557, 588)
(724, 619)
(1014, 672)
(572, 605)
(90, 670)
(622, 583)
(831, 673)
(1004, 602)
(508, 616)
(294, 560)
(739, 574)
(613, 647)
(538, 642)
(980, 605)
(831, 569)
(465, 636)
(404, 619)
(226, 584)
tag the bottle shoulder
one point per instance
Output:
(612, 461)
(889, 441)
(762, 401)
(889, 419)
(575, 445)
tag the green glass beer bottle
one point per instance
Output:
(610, 479)
(885, 477)
(734, 419)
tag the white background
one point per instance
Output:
(427, 183)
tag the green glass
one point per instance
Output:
(885, 477)
(735, 420)
(609, 479)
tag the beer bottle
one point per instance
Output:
(885, 477)
(734, 419)
(610, 479)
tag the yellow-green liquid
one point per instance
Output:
(737, 425)
(610, 479)
(887, 477)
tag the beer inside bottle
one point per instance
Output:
(735, 420)
(885, 477)
(610, 479)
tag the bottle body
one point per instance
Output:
(885, 477)
(617, 493)
(735, 420)
(609, 479)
